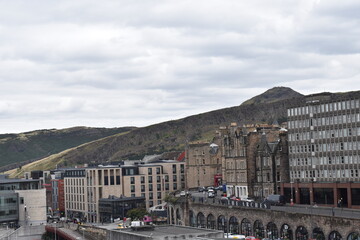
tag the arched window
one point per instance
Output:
(201, 220)
(353, 236)
(259, 230)
(272, 231)
(286, 232)
(211, 221)
(335, 235)
(318, 234)
(233, 225)
(246, 227)
(222, 223)
(301, 233)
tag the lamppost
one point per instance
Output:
(292, 194)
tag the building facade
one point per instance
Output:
(324, 150)
(203, 165)
(153, 181)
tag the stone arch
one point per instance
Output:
(318, 234)
(245, 227)
(211, 223)
(222, 223)
(286, 232)
(192, 219)
(178, 218)
(259, 230)
(335, 235)
(200, 220)
(172, 215)
(272, 231)
(233, 225)
(353, 236)
(301, 233)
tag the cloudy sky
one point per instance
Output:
(139, 62)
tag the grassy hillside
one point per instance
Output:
(166, 136)
(30, 146)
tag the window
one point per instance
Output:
(175, 186)
(158, 187)
(142, 179)
(174, 168)
(132, 187)
(149, 171)
(166, 186)
(166, 178)
(150, 179)
(142, 188)
(150, 187)
(158, 179)
(182, 168)
(174, 178)
(132, 180)
(158, 170)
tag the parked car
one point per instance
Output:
(277, 200)
(201, 189)
(248, 199)
(235, 236)
(182, 194)
(235, 198)
(211, 193)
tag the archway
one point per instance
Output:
(259, 230)
(335, 235)
(301, 233)
(192, 219)
(246, 227)
(222, 223)
(211, 221)
(233, 225)
(201, 220)
(318, 234)
(286, 232)
(353, 236)
(272, 231)
(178, 217)
(172, 218)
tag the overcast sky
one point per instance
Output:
(136, 63)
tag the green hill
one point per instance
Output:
(26, 147)
(169, 136)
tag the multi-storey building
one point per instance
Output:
(234, 164)
(324, 150)
(203, 165)
(85, 187)
(255, 159)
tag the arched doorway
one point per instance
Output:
(301, 233)
(353, 236)
(318, 234)
(286, 232)
(259, 230)
(200, 220)
(246, 227)
(272, 231)
(335, 235)
(222, 223)
(192, 219)
(233, 225)
(211, 221)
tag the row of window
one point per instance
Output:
(324, 121)
(325, 160)
(325, 147)
(327, 107)
(75, 205)
(326, 173)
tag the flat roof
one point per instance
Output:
(171, 230)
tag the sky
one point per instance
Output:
(136, 63)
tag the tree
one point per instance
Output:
(137, 213)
